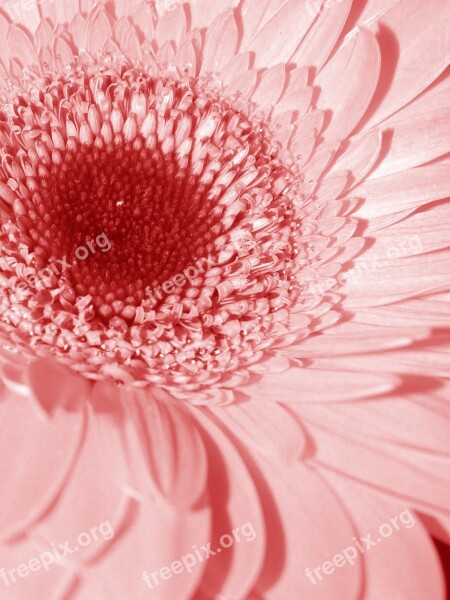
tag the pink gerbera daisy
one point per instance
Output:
(225, 285)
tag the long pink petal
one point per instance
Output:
(348, 82)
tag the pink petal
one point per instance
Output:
(171, 26)
(302, 514)
(33, 474)
(52, 581)
(320, 160)
(238, 65)
(395, 420)
(270, 87)
(373, 283)
(204, 12)
(221, 43)
(297, 96)
(171, 456)
(186, 58)
(407, 473)
(98, 483)
(126, 8)
(98, 30)
(402, 53)
(308, 385)
(26, 13)
(21, 47)
(236, 504)
(323, 35)
(348, 83)
(285, 30)
(403, 191)
(265, 426)
(44, 35)
(406, 560)
(66, 11)
(359, 157)
(356, 342)
(142, 18)
(416, 312)
(54, 386)
(243, 84)
(416, 141)
(425, 361)
(419, 233)
(155, 538)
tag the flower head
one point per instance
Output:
(223, 267)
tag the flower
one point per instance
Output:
(255, 333)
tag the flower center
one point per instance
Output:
(173, 225)
(152, 218)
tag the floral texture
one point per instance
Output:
(224, 295)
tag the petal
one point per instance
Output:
(142, 18)
(20, 47)
(305, 522)
(320, 160)
(406, 559)
(416, 312)
(238, 65)
(26, 13)
(285, 29)
(402, 52)
(66, 11)
(311, 385)
(97, 486)
(173, 455)
(204, 12)
(33, 473)
(171, 26)
(265, 426)
(221, 43)
(186, 58)
(376, 282)
(413, 142)
(270, 87)
(98, 30)
(358, 340)
(426, 360)
(396, 420)
(420, 233)
(348, 83)
(243, 85)
(54, 385)
(43, 37)
(405, 191)
(297, 96)
(156, 538)
(359, 157)
(323, 35)
(236, 504)
(407, 473)
(46, 579)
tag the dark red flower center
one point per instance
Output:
(126, 217)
